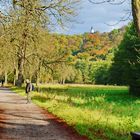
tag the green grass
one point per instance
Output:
(99, 112)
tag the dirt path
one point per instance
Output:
(21, 121)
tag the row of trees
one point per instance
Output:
(28, 50)
(23, 31)
(64, 58)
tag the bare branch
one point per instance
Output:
(126, 17)
(113, 2)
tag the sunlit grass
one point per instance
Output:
(99, 112)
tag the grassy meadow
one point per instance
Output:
(99, 112)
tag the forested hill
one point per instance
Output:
(89, 56)
(96, 46)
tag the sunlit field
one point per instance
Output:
(99, 112)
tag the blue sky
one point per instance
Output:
(97, 16)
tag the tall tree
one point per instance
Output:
(125, 68)
(136, 14)
(30, 15)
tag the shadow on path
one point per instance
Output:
(21, 121)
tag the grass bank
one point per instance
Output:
(99, 112)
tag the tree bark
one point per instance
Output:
(38, 81)
(63, 81)
(23, 44)
(6, 77)
(15, 76)
(136, 14)
(38, 74)
(20, 71)
(135, 90)
(134, 86)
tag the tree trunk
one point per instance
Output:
(38, 81)
(38, 77)
(20, 71)
(30, 78)
(135, 87)
(15, 76)
(23, 44)
(6, 77)
(63, 81)
(134, 90)
(38, 73)
(136, 14)
(14, 82)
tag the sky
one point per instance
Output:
(99, 16)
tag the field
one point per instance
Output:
(99, 112)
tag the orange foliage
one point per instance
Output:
(94, 38)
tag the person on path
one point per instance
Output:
(28, 89)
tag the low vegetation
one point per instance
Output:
(99, 112)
